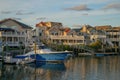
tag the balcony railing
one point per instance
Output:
(98, 36)
(11, 44)
(12, 34)
(113, 33)
(114, 39)
(68, 37)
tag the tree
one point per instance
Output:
(96, 45)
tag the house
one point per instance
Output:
(14, 33)
(113, 35)
(56, 33)
(92, 34)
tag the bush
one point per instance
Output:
(96, 45)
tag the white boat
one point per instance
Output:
(10, 60)
(46, 54)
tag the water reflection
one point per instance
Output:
(101, 68)
(50, 66)
(39, 71)
(82, 68)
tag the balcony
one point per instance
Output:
(98, 36)
(12, 34)
(113, 33)
(68, 37)
(115, 39)
(11, 44)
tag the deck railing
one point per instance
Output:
(74, 37)
(12, 34)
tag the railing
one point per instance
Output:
(74, 37)
(113, 33)
(11, 44)
(98, 36)
(11, 34)
(114, 39)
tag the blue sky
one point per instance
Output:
(71, 13)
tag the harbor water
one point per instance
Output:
(79, 68)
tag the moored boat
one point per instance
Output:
(10, 60)
(46, 54)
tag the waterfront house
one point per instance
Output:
(42, 28)
(14, 33)
(66, 36)
(113, 34)
(94, 34)
(56, 33)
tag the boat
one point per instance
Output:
(8, 59)
(46, 54)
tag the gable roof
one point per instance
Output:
(19, 23)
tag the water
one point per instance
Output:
(81, 68)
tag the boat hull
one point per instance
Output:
(61, 56)
(50, 57)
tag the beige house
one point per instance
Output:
(14, 33)
(113, 34)
(58, 34)
(94, 34)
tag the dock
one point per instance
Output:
(105, 54)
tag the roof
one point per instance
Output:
(49, 24)
(105, 27)
(19, 23)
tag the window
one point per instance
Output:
(40, 34)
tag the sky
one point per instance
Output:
(71, 13)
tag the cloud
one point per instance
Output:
(85, 14)
(77, 26)
(6, 12)
(86, 1)
(115, 6)
(22, 12)
(79, 8)
(41, 18)
(17, 18)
